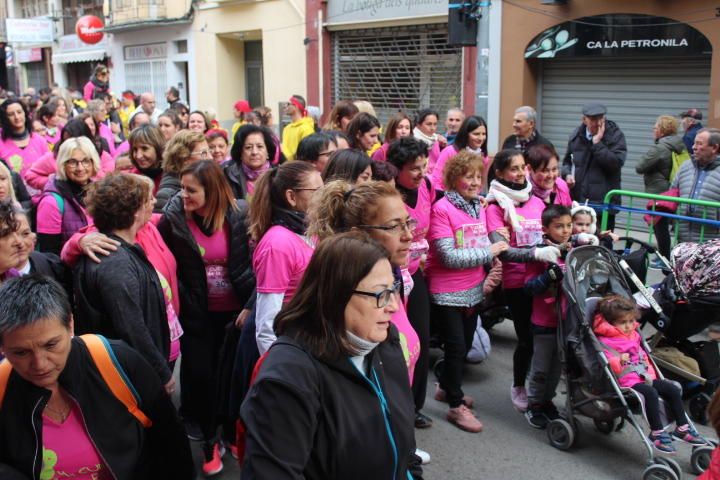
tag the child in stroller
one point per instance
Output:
(615, 325)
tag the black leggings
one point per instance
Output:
(662, 236)
(419, 316)
(670, 393)
(521, 308)
(457, 327)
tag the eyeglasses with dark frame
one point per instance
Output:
(396, 229)
(383, 297)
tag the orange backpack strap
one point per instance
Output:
(5, 371)
(114, 376)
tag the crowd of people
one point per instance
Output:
(293, 280)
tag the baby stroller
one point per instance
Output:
(689, 302)
(592, 389)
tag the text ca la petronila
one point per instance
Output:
(644, 43)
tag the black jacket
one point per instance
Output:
(131, 452)
(236, 177)
(512, 142)
(169, 186)
(51, 266)
(597, 167)
(315, 419)
(191, 269)
(121, 297)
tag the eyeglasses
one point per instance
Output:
(201, 154)
(383, 297)
(86, 163)
(396, 229)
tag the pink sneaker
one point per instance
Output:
(463, 418)
(441, 396)
(518, 395)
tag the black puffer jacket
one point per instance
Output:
(121, 297)
(131, 452)
(236, 177)
(191, 270)
(169, 186)
(316, 419)
(597, 166)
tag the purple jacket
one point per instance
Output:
(73, 215)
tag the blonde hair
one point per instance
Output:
(460, 165)
(365, 107)
(83, 144)
(178, 149)
(339, 206)
(667, 125)
(11, 190)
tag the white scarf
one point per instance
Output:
(429, 140)
(507, 198)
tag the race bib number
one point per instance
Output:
(218, 280)
(531, 234)
(472, 235)
(176, 330)
(408, 282)
(419, 248)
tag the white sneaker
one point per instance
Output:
(518, 395)
(424, 456)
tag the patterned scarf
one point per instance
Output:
(471, 207)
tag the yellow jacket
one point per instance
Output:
(293, 133)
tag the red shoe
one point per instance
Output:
(212, 463)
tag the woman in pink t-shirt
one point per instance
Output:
(514, 216)
(399, 126)
(19, 145)
(459, 252)
(543, 169)
(409, 156)
(283, 251)
(378, 209)
(204, 226)
(472, 136)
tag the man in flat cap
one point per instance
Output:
(690, 120)
(594, 158)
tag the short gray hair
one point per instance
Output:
(530, 113)
(94, 106)
(455, 109)
(713, 135)
(26, 300)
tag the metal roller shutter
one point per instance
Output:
(401, 68)
(635, 91)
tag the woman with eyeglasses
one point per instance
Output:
(98, 84)
(182, 149)
(459, 251)
(205, 229)
(378, 209)
(332, 399)
(317, 149)
(277, 225)
(61, 211)
(250, 155)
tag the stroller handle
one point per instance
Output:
(630, 240)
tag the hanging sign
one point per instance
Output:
(619, 35)
(89, 29)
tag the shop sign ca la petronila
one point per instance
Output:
(619, 35)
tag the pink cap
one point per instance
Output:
(242, 106)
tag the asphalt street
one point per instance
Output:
(509, 448)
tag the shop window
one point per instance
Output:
(33, 8)
(74, 9)
(148, 76)
(36, 75)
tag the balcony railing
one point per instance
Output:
(130, 11)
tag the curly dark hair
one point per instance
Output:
(8, 221)
(242, 134)
(114, 200)
(5, 122)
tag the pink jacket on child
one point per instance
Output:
(612, 337)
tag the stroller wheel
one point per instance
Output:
(604, 426)
(659, 472)
(560, 434)
(700, 458)
(669, 462)
(438, 367)
(697, 405)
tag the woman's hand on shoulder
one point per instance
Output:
(96, 243)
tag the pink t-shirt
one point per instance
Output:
(448, 221)
(174, 327)
(544, 310)
(20, 159)
(280, 260)
(433, 156)
(380, 154)
(106, 133)
(421, 214)
(215, 250)
(529, 215)
(49, 217)
(562, 193)
(68, 451)
(409, 340)
(437, 174)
